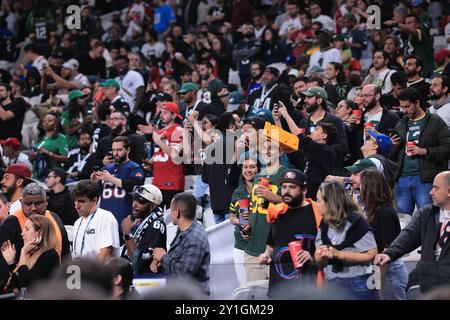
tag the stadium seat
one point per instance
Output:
(253, 290)
(405, 219)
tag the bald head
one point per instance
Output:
(440, 193)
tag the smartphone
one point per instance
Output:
(392, 132)
(276, 106)
(96, 168)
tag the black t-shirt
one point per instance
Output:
(423, 88)
(62, 204)
(295, 224)
(89, 66)
(12, 128)
(183, 48)
(386, 227)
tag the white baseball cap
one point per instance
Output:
(148, 192)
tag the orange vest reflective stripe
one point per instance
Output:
(23, 218)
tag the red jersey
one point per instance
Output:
(166, 174)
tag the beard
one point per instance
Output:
(294, 201)
(435, 96)
(10, 192)
(311, 108)
(371, 104)
(117, 130)
(120, 160)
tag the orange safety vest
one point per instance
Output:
(274, 212)
(23, 218)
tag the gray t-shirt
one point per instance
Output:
(351, 270)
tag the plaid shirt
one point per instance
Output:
(189, 256)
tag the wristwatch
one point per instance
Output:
(127, 237)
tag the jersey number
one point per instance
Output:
(111, 191)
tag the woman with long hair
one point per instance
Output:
(239, 211)
(345, 243)
(38, 257)
(75, 118)
(221, 56)
(392, 46)
(274, 49)
(378, 201)
(336, 76)
(123, 277)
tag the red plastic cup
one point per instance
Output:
(294, 248)
(99, 96)
(302, 130)
(369, 125)
(408, 145)
(357, 113)
(243, 209)
(263, 181)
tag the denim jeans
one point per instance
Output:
(394, 281)
(218, 218)
(355, 288)
(410, 192)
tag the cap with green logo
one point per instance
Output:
(110, 83)
(316, 92)
(188, 86)
(360, 165)
(74, 94)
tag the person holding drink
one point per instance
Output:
(290, 245)
(240, 212)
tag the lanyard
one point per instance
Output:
(84, 235)
(265, 94)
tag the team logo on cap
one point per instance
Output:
(289, 175)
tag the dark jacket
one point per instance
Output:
(435, 137)
(215, 174)
(340, 146)
(62, 204)
(423, 230)
(319, 160)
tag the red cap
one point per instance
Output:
(19, 170)
(172, 107)
(441, 55)
(11, 142)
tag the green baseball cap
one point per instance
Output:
(188, 86)
(111, 83)
(360, 165)
(316, 92)
(74, 94)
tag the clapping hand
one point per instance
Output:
(9, 252)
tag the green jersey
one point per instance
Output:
(238, 194)
(259, 228)
(411, 164)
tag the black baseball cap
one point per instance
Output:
(294, 176)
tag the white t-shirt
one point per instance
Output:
(385, 76)
(290, 24)
(443, 112)
(128, 86)
(326, 21)
(331, 55)
(22, 158)
(16, 205)
(373, 118)
(99, 230)
(156, 49)
(82, 79)
(39, 63)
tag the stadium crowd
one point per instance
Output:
(307, 128)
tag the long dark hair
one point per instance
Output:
(338, 67)
(375, 192)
